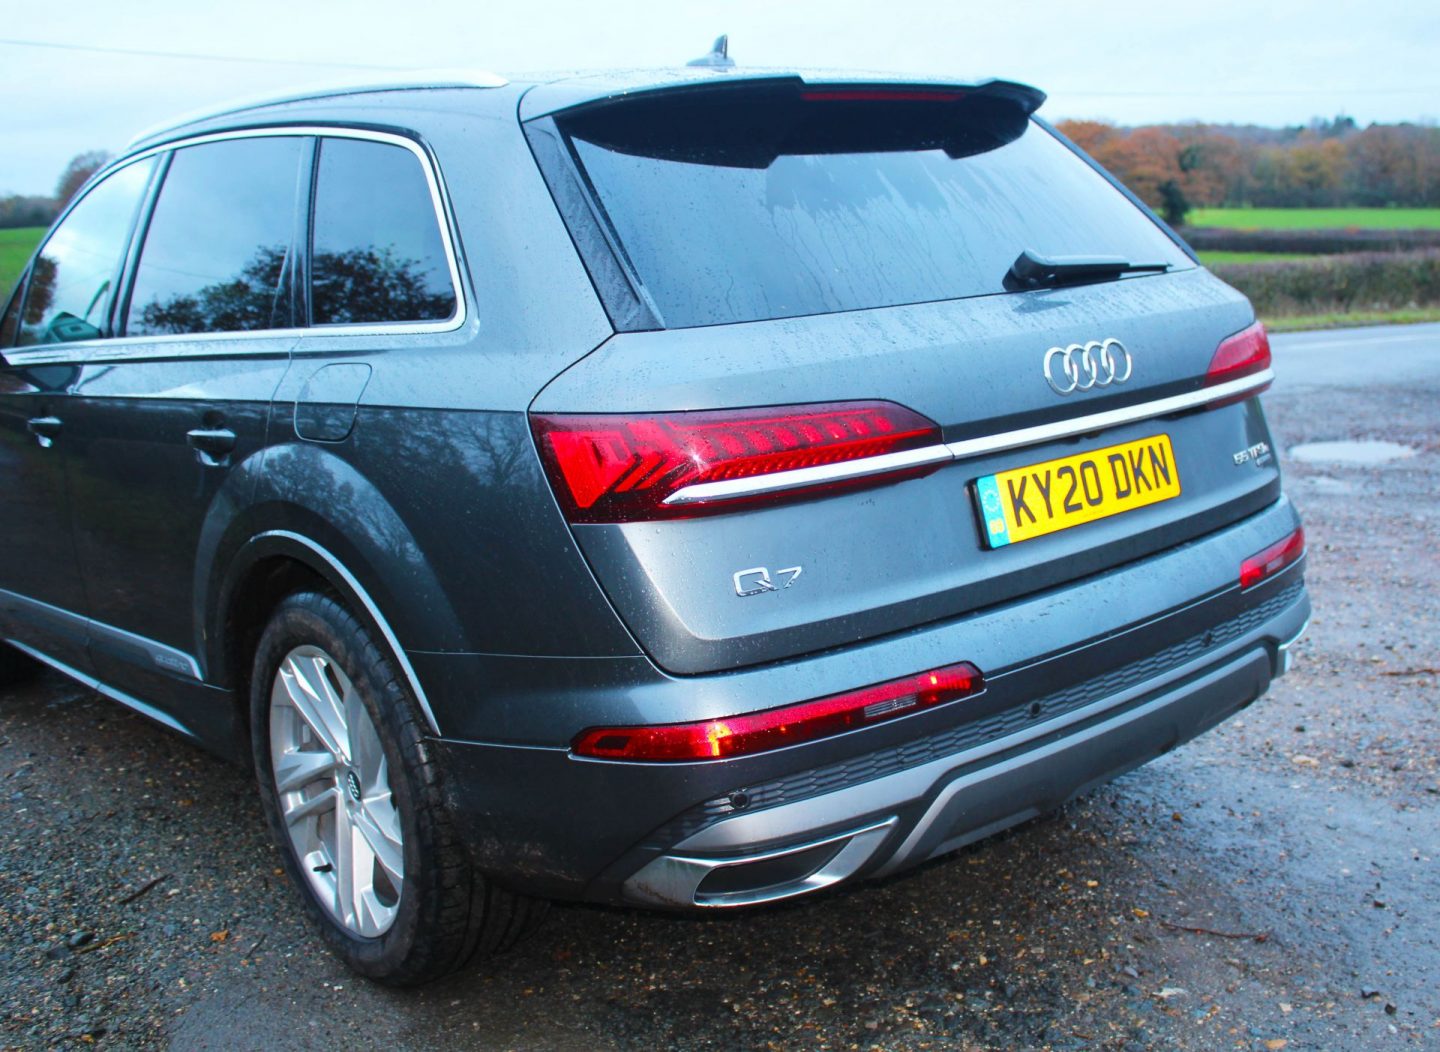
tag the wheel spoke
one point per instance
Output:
(327, 800)
(295, 770)
(346, 870)
(374, 916)
(309, 691)
(364, 743)
(387, 848)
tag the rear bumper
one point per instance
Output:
(876, 801)
(903, 819)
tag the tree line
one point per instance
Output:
(1172, 167)
(1334, 163)
(18, 210)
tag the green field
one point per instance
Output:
(15, 248)
(1316, 218)
(1212, 258)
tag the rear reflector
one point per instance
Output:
(1248, 351)
(1273, 559)
(614, 468)
(776, 728)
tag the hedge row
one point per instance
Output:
(1315, 242)
(1339, 284)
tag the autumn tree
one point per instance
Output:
(81, 167)
(1088, 135)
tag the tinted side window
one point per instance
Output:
(72, 279)
(218, 241)
(377, 253)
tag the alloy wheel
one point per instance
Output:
(333, 783)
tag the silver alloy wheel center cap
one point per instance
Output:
(352, 783)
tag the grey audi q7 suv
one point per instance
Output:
(688, 489)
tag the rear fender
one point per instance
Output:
(317, 510)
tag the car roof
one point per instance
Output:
(543, 93)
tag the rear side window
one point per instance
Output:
(219, 239)
(72, 279)
(377, 254)
(753, 202)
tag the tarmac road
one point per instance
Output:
(1374, 356)
(1272, 885)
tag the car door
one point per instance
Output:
(60, 314)
(167, 424)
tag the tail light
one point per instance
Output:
(614, 468)
(1273, 559)
(776, 728)
(1247, 352)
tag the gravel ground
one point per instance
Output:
(1272, 885)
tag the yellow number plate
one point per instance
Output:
(1027, 502)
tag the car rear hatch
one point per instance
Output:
(838, 403)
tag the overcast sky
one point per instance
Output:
(1248, 61)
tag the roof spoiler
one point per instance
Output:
(749, 123)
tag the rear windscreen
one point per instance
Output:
(734, 206)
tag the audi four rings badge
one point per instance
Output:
(1082, 366)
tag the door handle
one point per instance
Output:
(45, 428)
(212, 445)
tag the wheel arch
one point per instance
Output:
(271, 565)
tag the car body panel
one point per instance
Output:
(399, 468)
(142, 493)
(673, 582)
(42, 595)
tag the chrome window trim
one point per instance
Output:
(731, 489)
(118, 346)
(373, 610)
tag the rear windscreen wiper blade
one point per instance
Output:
(1031, 271)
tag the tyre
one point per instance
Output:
(15, 667)
(352, 795)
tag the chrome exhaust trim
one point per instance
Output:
(674, 880)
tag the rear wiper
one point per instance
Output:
(1031, 271)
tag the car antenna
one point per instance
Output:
(719, 54)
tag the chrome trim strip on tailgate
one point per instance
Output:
(783, 480)
(1130, 414)
(730, 489)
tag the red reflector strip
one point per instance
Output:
(776, 728)
(1273, 559)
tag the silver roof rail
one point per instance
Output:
(400, 79)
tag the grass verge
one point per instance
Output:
(1351, 319)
